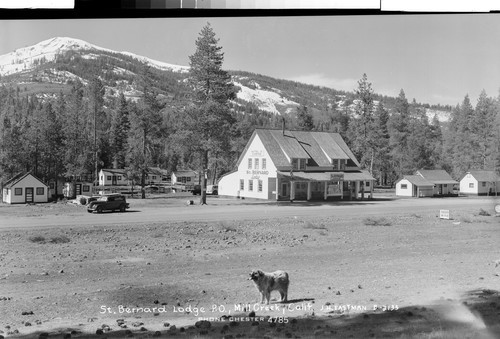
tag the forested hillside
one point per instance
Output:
(57, 117)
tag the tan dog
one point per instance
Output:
(268, 282)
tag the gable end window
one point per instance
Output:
(249, 163)
(404, 186)
(264, 163)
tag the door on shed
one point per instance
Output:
(29, 194)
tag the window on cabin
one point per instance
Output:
(256, 163)
(367, 184)
(249, 163)
(109, 177)
(250, 185)
(259, 187)
(86, 188)
(335, 163)
(471, 185)
(295, 163)
(40, 191)
(242, 184)
(119, 177)
(302, 164)
(483, 183)
(404, 186)
(264, 163)
(342, 164)
(52, 186)
(18, 191)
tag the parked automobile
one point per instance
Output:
(108, 202)
(196, 189)
(213, 189)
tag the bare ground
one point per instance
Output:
(356, 271)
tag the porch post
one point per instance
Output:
(356, 187)
(292, 190)
(308, 190)
(326, 189)
(341, 183)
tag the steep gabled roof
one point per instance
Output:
(185, 172)
(417, 180)
(489, 176)
(18, 177)
(318, 147)
(114, 170)
(437, 176)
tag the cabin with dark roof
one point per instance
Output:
(426, 183)
(480, 183)
(297, 165)
(25, 188)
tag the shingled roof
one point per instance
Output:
(437, 176)
(318, 147)
(489, 176)
(18, 177)
(417, 180)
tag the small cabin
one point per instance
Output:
(25, 188)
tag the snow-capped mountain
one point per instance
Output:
(26, 58)
(53, 65)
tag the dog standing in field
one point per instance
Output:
(268, 282)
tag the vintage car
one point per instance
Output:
(108, 202)
(213, 189)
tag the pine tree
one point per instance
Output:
(382, 138)
(145, 123)
(120, 126)
(209, 80)
(482, 132)
(399, 131)
(361, 128)
(304, 119)
(211, 117)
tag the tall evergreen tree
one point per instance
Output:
(120, 126)
(304, 119)
(399, 131)
(145, 122)
(361, 134)
(212, 91)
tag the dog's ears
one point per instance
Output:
(260, 272)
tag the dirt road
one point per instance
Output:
(228, 210)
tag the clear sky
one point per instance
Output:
(433, 58)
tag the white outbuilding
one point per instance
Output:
(480, 183)
(25, 188)
(414, 186)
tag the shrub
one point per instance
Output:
(376, 222)
(37, 238)
(309, 225)
(484, 213)
(59, 240)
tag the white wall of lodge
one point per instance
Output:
(255, 176)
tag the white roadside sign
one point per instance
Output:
(444, 214)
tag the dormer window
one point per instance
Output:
(299, 164)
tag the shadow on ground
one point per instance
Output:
(476, 316)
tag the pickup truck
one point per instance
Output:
(108, 202)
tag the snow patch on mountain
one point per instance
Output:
(442, 116)
(265, 100)
(27, 58)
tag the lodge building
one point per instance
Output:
(297, 165)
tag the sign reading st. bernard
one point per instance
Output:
(256, 153)
(257, 172)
